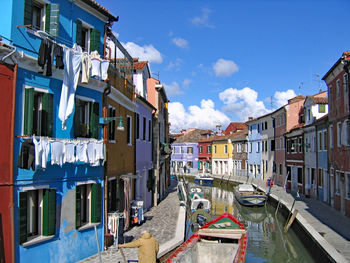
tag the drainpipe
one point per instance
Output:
(106, 91)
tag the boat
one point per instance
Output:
(223, 239)
(247, 194)
(203, 179)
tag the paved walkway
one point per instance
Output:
(162, 222)
(327, 226)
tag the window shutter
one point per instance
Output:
(77, 207)
(49, 212)
(48, 114)
(95, 36)
(78, 32)
(94, 115)
(52, 19)
(28, 12)
(28, 111)
(22, 217)
(96, 203)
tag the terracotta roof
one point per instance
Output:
(298, 126)
(319, 100)
(238, 135)
(234, 126)
(140, 64)
(194, 135)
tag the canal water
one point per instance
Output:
(266, 239)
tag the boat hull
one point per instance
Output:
(251, 199)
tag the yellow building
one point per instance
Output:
(222, 155)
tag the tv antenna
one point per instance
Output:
(156, 74)
(300, 86)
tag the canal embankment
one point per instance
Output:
(324, 230)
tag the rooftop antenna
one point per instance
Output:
(300, 86)
(271, 102)
(318, 81)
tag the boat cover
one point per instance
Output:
(246, 188)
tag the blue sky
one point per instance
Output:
(225, 60)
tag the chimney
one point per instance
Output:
(250, 118)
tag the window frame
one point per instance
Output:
(111, 124)
(128, 130)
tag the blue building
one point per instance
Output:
(59, 199)
(254, 148)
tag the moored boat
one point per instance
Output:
(223, 239)
(247, 194)
(203, 180)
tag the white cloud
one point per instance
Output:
(176, 65)
(186, 83)
(203, 19)
(146, 52)
(173, 89)
(180, 42)
(242, 103)
(282, 97)
(224, 68)
(203, 117)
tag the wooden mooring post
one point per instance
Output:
(290, 221)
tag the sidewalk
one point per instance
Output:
(165, 222)
(325, 225)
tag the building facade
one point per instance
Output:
(239, 141)
(222, 155)
(204, 156)
(254, 148)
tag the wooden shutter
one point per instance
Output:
(94, 116)
(77, 207)
(79, 33)
(28, 111)
(49, 212)
(95, 36)
(47, 121)
(28, 12)
(96, 203)
(52, 19)
(22, 217)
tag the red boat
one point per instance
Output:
(224, 239)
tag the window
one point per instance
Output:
(214, 148)
(345, 83)
(200, 149)
(262, 146)
(38, 112)
(258, 147)
(208, 149)
(321, 108)
(182, 150)
(265, 125)
(86, 118)
(331, 136)
(281, 169)
(289, 173)
(273, 123)
(137, 125)
(338, 88)
(348, 186)
(37, 214)
(87, 204)
(128, 130)
(320, 141)
(42, 16)
(111, 124)
(320, 178)
(239, 147)
(337, 182)
(300, 144)
(250, 147)
(149, 130)
(258, 169)
(250, 168)
(144, 129)
(325, 135)
(258, 127)
(272, 145)
(266, 166)
(266, 147)
(274, 167)
(190, 150)
(225, 148)
(308, 115)
(87, 37)
(300, 175)
(347, 132)
(339, 134)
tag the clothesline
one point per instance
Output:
(59, 139)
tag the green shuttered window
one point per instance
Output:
(79, 32)
(38, 113)
(28, 12)
(30, 211)
(86, 119)
(52, 19)
(88, 204)
(95, 36)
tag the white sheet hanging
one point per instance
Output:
(69, 152)
(72, 64)
(57, 153)
(81, 152)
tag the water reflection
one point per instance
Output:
(266, 240)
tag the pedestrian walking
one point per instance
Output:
(147, 245)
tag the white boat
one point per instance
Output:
(247, 194)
